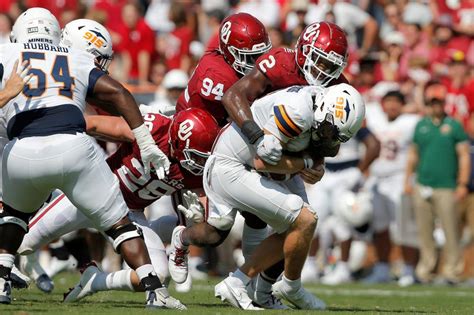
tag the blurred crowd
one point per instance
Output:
(394, 45)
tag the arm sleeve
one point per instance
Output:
(459, 133)
(363, 133)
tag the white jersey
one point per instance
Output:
(60, 76)
(287, 114)
(395, 138)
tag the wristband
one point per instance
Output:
(308, 161)
(143, 136)
(252, 131)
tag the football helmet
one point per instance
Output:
(191, 136)
(355, 208)
(339, 112)
(321, 52)
(242, 39)
(90, 36)
(36, 25)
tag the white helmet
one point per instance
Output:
(90, 36)
(340, 107)
(36, 25)
(354, 208)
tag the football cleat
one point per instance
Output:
(84, 287)
(178, 257)
(264, 299)
(185, 286)
(300, 298)
(44, 283)
(233, 291)
(380, 274)
(160, 298)
(19, 280)
(341, 274)
(5, 291)
(30, 265)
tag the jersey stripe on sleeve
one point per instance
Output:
(284, 122)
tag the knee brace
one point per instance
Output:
(124, 233)
(12, 216)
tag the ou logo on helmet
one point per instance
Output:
(185, 130)
(312, 31)
(225, 32)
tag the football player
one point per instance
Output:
(15, 82)
(48, 148)
(319, 59)
(233, 182)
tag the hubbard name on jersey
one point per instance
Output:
(60, 76)
(287, 114)
(211, 79)
(140, 189)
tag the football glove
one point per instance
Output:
(192, 208)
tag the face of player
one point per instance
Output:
(392, 107)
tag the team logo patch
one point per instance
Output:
(445, 129)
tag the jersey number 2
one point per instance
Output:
(59, 72)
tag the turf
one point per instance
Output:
(348, 299)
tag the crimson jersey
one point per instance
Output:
(139, 189)
(280, 67)
(210, 80)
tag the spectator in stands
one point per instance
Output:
(137, 44)
(392, 22)
(213, 21)
(295, 20)
(440, 155)
(459, 101)
(175, 46)
(174, 83)
(268, 11)
(5, 28)
(350, 18)
(416, 45)
(388, 66)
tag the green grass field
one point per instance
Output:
(348, 299)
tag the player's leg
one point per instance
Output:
(91, 186)
(230, 186)
(23, 194)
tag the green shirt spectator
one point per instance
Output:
(438, 164)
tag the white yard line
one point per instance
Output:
(368, 292)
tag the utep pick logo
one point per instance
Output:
(185, 130)
(340, 109)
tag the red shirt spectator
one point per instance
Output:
(137, 43)
(57, 7)
(178, 46)
(113, 9)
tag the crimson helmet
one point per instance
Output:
(242, 39)
(191, 136)
(321, 52)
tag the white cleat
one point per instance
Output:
(300, 298)
(233, 291)
(310, 273)
(56, 266)
(160, 298)
(341, 274)
(30, 265)
(178, 257)
(5, 291)
(264, 299)
(84, 287)
(184, 287)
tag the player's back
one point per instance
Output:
(211, 79)
(60, 78)
(140, 189)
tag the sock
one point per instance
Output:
(251, 238)
(408, 270)
(242, 276)
(119, 280)
(6, 264)
(264, 284)
(291, 285)
(148, 277)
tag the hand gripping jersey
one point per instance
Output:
(395, 138)
(54, 99)
(139, 189)
(211, 79)
(287, 114)
(280, 67)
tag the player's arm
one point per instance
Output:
(238, 98)
(108, 128)
(372, 149)
(114, 98)
(287, 165)
(464, 172)
(412, 162)
(15, 83)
